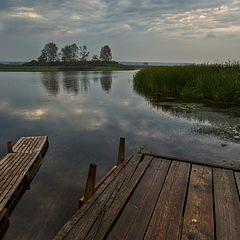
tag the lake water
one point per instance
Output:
(84, 114)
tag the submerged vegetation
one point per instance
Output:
(215, 82)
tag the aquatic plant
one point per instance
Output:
(216, 82)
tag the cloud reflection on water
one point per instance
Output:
(84, 125)
(36, 114)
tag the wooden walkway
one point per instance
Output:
(149, 197)
(17, 170)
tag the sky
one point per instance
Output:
(136, 30)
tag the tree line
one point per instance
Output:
(72, 54)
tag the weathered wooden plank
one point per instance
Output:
(8, 189)
(16, 161)
(6, 162)
(22, 144)
(30, 144)
(38, 144)
(116, 203)
(199, 214)
(12, 161)
(120, 172)
(225, 164)
(19, 144)
(134, 219)
(41, 143)
(227, 205)
(166, 221)
(16, 172)
(95, 214)
(237, 177)
(27, 162)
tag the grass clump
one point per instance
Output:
(216, 82)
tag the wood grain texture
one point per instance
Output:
(167, 217)
(17, 170)
(237, 177)
(227, 205)
(16, 177)
(134, 219)
(160, 199)
(21, 162)
(199, 214)
(121, 172)
(97, 221)
(91, 179)
(30, 144)
(117, 202)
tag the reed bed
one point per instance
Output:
(216, 82)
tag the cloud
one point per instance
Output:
(105, 20)
(198, 22)
(103, 16)
(24, 12)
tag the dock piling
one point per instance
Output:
(90, 185)
(9, 147)
(121, 151)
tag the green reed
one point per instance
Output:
(217, 82)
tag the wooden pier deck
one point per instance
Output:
(17, 169)
(150, 197)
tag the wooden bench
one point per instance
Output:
(17, 170)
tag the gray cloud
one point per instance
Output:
(76, 20)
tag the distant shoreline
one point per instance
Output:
(59, 68)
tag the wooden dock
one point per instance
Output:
(153, 197)
(17, 169)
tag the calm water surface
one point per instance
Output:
(84, 114)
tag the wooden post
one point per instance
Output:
(98, 184)
(121, 151)
(9, 147)
(90, 185)
(27, 180)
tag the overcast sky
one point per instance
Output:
(136, 30)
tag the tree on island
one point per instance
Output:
(106, 54)
(49, 53)
(95, 58)
(84, 53)
(70, 53)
